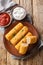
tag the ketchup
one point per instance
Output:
(4, 19)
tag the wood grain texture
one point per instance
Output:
(11, 60)
(3, 53)
(16, 1)
(38, 15)
(36, 60)
(27, 4)
(35, 8)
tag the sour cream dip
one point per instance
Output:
(19, 13)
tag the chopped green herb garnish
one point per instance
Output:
(15, 28)
(22, 30)
(22, 36)
(13, 34)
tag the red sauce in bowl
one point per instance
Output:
(4, 19)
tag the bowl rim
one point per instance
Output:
(9, 21)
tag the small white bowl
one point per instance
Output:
(16, 13)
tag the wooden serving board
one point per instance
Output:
(10, 47)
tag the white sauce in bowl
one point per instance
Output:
(19, 13)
